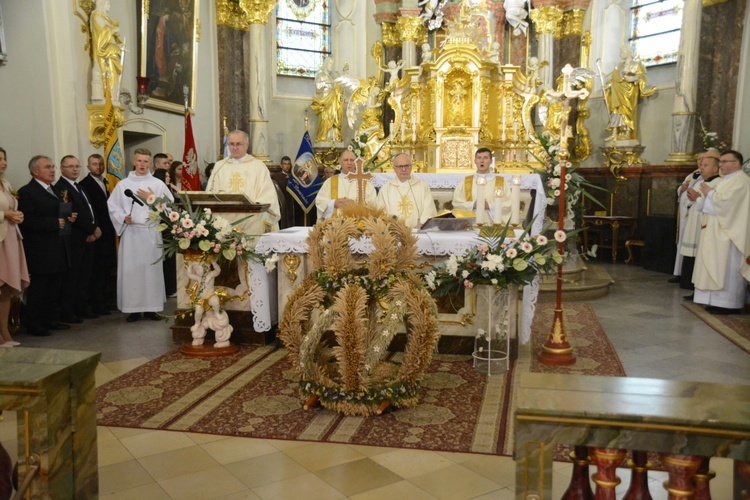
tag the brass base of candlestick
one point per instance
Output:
(556, 350)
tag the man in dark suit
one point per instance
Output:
(46, 251)
(105, 256)
(75, 299)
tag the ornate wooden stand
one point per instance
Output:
(208, 351)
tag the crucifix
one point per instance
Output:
(556, 350)
(360, 177)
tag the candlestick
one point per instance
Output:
(498, 206)
(515, 200)
(481, 212)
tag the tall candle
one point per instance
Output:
(481, 213)
(498, 206)
(515, 200)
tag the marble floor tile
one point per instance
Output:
(265, 469)
(305, 487)
(234, 449)
(122, 476)
(153, 442)
(151, 491)
(455, 482)
(177, 463)
(411, 463)
(401, 489)
(315, 457)
(205, 484)
(358, 476)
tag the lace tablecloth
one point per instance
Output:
(438, 243)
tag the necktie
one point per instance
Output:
(50, 191)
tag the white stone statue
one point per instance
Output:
(516, 15)
(107, 49)
(205, 278)
(392, 69)
(217, 320)
(494, 53)
(426, 53)
(429, 9)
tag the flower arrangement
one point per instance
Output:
(710, 140)
(498, 262)
(185, 228)
(359, 146)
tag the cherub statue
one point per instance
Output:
(327, 104)
(205, 279)
(428, 11)
(392, 69)
(516, 13)
(493, 55)
(218, 320)
(106, 50)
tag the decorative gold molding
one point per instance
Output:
(572, 23)
(230, 14)
(96, 122)
(198, 30)
(391, 35)
(410, 28)
(292, 262)
(546, 20)
(257, 10)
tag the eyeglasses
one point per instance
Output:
(402, 166)
(722, 162)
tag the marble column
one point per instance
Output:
(257, 12)
(410, 26)
(686, 85)
(546, 19)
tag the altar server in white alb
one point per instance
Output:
(341, 190)
(482, 186)
(683, 209)
(406, 196)
(722, 266)
(140, 281)
(243, 173)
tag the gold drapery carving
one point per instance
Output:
(230, 14)
(572, 23)
(96, 122)
(391, 35)
(547, 20)
(257, 10)
(709, 3)
(410, 28)
(583, 148)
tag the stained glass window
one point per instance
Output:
(655, 30)
(302, 36)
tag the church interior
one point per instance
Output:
(432, 78)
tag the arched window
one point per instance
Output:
(655, 30)
(303, 38)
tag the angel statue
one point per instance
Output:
(516, 13)
(364, 94)
(426, 52)
(327, 104)
(107, 49)
(392, 70)
(626, 86)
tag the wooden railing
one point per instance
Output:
(685, 423)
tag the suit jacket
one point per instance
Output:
(85, 222)
(106, 244)
(46, 251)
(4, 224)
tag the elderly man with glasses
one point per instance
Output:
(406, 196)
(722, 266)
(243, 173)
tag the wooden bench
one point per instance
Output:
(689, 420)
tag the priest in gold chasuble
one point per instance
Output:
(467, 193)
(406, 196)
(343, 189)
(243, 173)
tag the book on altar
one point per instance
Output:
(456, 220)
(200, 198)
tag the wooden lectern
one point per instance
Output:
(234, 276)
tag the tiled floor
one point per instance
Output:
(643, 316)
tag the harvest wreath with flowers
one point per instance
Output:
(364, 304)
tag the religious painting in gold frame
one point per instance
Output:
(168, 51)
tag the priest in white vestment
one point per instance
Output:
(722, 266)
(683, 204)
(483, 184)
(340, 190)
(708, 164)
(406, 196)
(243, 173)
(140, 281)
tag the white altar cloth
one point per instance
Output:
(439, 243)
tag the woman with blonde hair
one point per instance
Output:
(14, 275)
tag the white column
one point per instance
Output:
(546, 19)
(409, 25)
(257, 93)
(545, 52)
(686, 85)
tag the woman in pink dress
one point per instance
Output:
(14, 275)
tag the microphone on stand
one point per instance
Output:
(133, 197)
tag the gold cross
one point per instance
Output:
(361, 178)
(405, 206)
(237, 183)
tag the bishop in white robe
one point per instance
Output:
(339, 190)
(722, 266)
(140, 280)
(243, 173)
(406, 196)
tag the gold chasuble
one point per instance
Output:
(410, 201)
(465, 194)
(251, 177)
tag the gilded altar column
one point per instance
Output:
(257, 14)
(686, 85)
(547, 19)
(410, 27)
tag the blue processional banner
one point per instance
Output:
(304, 181)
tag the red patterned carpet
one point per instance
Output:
(254, 394)
(735, 327)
